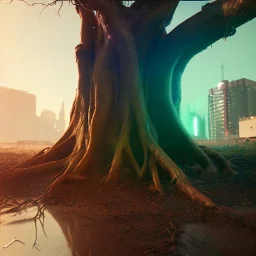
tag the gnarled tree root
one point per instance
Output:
(219, 160)
(50, 167)
(157, 159)
(57, 152)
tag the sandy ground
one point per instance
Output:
(129, 219)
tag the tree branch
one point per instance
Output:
(206, 27)
(156, 13)
(216, 20)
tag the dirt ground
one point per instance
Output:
(131, 219)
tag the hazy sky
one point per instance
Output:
(37, 55)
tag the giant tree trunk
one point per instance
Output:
(124, 120)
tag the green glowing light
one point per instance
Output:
(195, 126)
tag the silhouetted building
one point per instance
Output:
(227, 103)
(47, 126)
(17, 115)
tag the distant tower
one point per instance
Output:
(61, 122)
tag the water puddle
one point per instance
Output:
(63, 232)
(27, 232)
(67, 231)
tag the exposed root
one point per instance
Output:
(74, 163)
(38, 169)
(221, 162)
(155, 176)
(58, 152)
(145, 163)
(66, 166)
(58, 181)
(182, 182)
(133, 160)
(157, 158)
(114, 173)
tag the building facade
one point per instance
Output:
(19, 122)
(49, 127)
(17, 115)
(227, 103)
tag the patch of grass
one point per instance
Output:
(246, 151)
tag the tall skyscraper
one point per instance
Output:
(227, 103)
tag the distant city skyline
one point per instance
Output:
(228, 102)
(37, 55)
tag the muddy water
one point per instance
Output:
(18, 226)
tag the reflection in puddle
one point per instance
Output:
(20, 227)
(63, 231)
(72, 231)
